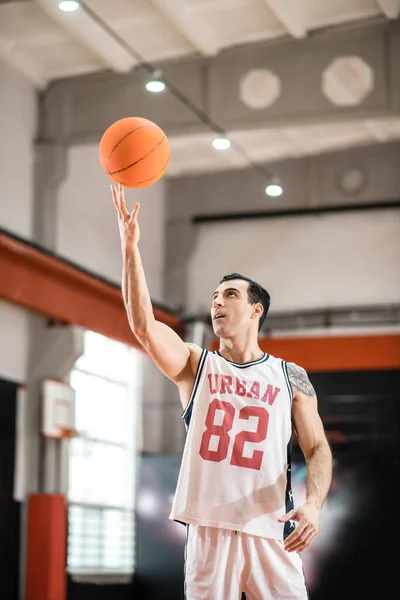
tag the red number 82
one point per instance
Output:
(222, 431)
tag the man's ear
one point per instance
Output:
(258, 309)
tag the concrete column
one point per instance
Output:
(50, 171)
(46, 345)
(163, 429)
(52, 352)
(180, 241)
(199, 332)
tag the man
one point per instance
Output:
(239, 406)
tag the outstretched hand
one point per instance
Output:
(128, 223)
(307, 517)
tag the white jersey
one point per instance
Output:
(235, 469)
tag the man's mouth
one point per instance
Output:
(218, 317)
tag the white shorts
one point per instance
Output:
(220, 564)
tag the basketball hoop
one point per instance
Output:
(66, 433)
(58, 406)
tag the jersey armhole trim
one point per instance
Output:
(286, 375)
(199, 371)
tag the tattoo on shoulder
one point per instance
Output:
(299, 379)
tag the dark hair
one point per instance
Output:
(255, 293)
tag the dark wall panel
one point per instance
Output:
(364, 407)
(160, 541)
(91, 591)
(9, 509)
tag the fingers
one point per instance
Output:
(303, 542)
(293, 538)
(306, 542)
(119, 200)
(135, 212)
(300, 539)
(116, 199)
(121, 194)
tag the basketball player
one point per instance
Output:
(244, 534)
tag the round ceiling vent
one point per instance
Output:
(347, 80)
(259, 89)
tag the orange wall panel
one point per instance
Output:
(336, 353)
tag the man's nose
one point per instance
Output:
(217, 301)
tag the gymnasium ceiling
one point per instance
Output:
(281, 81)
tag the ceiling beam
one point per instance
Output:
(291, 15)
(215, 85)
(48, 285)
(191, 26)
(90, 34)
(390, 8)
(23, 63)
(380, 133)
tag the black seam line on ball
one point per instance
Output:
(136, 161)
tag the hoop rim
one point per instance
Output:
(66, 433)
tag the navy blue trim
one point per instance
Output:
(264, 358)
(187, 413)
(286, 375)
(289, 502)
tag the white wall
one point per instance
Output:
(17, 132)
(304, 262)
(87, 228)
(18, 114)
(14, 342)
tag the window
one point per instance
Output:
(102, 459)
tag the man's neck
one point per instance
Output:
(240, 353)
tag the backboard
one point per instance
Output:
(58, 409)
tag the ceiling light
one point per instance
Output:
(274, 189)
(221, 143)
(155, 86)
(68, 5)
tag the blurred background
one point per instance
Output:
(283, 119)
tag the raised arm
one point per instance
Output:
(310, 433)
(171, 354)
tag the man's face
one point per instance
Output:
(230, 308)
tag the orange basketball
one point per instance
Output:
(134, 152)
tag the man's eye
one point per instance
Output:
(231, 294)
